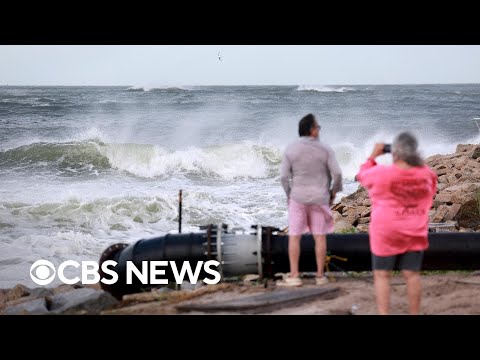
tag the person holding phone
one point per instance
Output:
(401, 195)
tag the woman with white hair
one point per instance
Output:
(401, 195)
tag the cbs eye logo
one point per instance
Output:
(40, 272)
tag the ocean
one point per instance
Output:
(82, 168)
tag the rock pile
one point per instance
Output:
(455, 206)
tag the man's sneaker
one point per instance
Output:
(322, 280)
(290, 282)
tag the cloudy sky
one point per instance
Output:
(239, 65)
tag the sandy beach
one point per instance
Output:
(445, 294)
(450, 293)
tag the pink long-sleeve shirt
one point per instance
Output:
(401, 199)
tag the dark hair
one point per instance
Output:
(305, 125)
(404, 148)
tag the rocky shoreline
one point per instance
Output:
(455, 208)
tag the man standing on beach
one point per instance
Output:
(307, 169)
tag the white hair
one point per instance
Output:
(404, 148)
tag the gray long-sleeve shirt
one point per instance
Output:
(307, 170)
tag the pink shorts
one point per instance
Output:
(316, 219)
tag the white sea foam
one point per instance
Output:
(225, 162)
(325, 89)
(148, 88)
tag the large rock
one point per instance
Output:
(352, 218)
(81, 301)
(473, 164)
(444, 197)
(336, 216)
(364, 220)
(339, 207)
(442, 179)
(467, 187)
(440, 213)
(441, 186)
(12, 294)
(366, 212)
(362, 228)
(476, 153)
(451, 178)
(468, 215)
(464, 148)
(339, 224)
(461, 163)
(32, 307)
(434, 160)
(342, 226)
(462, 198)
(441, 170)
(452, 212)
(367, 202)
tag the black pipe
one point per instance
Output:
(180, 212)
(354, 247)
(447, 251)
(239, 253)
(171, 247)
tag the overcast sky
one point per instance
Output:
(239, 65)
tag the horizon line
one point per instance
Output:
(179, 85)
